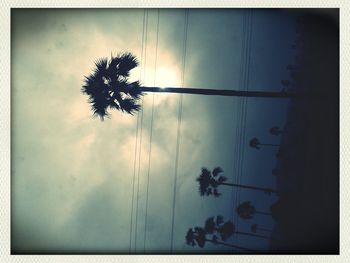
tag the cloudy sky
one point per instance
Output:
(76, 179)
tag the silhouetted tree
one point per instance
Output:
(276, 131)
(225, 229)
(199, 236)
(246, 210)
(108, 87)
(209, 182)
(255, 143)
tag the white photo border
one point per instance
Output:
(5, 126)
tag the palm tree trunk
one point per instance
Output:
(234, 246)
(252, 235)
(237, 93)
(263, 213)
(251, 187)
(269, 144)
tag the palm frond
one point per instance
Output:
(127, 63)
(101, 66)
(129, 105)
(200, 236)
(134, 90)
(204, 182)
(219, 220)
(226, 230)
(217, 170)
(190, 237)
(222, 179)
(210, 225)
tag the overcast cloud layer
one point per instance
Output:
(72, 175)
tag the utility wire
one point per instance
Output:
(151, 133)
(140, 147)
(179, 129)
(245, 106)
(239, 116)
(136, 140)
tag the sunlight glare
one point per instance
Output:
(167, 77)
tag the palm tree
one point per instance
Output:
(255, 143)
(246, 210)
(198, 236)
(210, 181)
(108, 87)
(276, 131)
(225, 229)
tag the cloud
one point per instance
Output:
(73, 175)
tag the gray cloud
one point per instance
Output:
(72, 175)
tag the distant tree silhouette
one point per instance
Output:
(246, 210)
(210, 181)
(225, 229)
(276, 131)
(255, 143)
(108, 87)
(214, 233)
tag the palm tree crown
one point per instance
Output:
(246, 210)
(254, 143)
(108, 86)
(208, 182)
(215, 231)
(196, 237)
(224, 229)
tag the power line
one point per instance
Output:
(151, 133)
(136, 137)
(242, 103)
(140, 151)
(239, 115)
(179, 128)
(245, 106)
